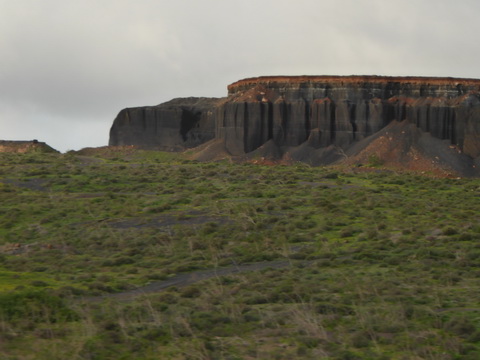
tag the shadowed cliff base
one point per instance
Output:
(399, 146)
(434, 123)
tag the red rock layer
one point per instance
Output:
(354, 79)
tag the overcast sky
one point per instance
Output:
(67, 67)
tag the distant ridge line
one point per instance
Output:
(452, 81)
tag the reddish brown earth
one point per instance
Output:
(354, 79)
(401, 145)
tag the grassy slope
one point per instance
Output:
(384, 265)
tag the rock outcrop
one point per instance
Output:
(285, 114)
(338, 111)
(21, 147)
(172, 126)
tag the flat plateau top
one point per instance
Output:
(355, 79)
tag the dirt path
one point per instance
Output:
(191, 278)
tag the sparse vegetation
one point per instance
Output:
(377, 265)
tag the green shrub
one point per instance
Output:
(36, 305)
(450, 231)
(374, 160)
(461, 326)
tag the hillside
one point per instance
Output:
(120, 253)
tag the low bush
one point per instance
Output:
(36, 305)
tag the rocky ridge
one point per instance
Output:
(316, 119)
(13, 146)
(172, 126)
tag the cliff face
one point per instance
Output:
(316, 112)
(339, 111)
(171, 126)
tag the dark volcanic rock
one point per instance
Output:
(173, 126)
(339, 110)
(318, 114)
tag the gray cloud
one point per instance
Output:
(68, 67)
